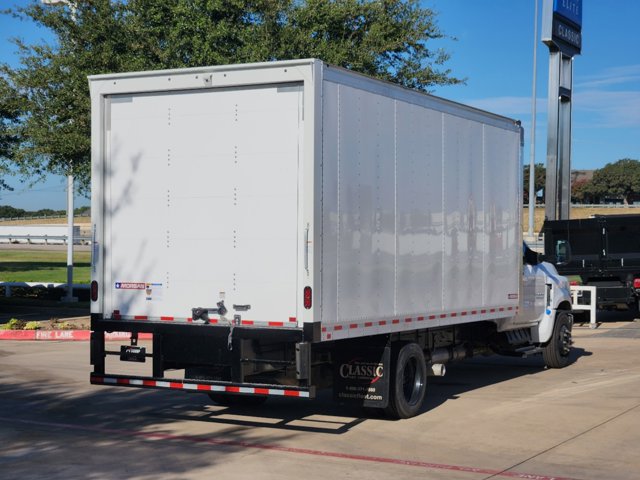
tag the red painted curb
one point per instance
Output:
(17, 334)
(68, 335)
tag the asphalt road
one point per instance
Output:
(488, 418)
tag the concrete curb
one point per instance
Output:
(65, 335)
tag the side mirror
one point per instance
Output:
(563, 252)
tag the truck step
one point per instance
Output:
(529, 351)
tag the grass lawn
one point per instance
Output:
(43, 266)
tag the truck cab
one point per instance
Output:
(545, 293)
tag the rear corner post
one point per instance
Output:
(97, 351)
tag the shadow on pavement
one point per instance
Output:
(78, 431)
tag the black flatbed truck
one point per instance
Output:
(604, 251)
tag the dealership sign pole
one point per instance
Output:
(562, 33)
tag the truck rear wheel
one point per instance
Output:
(408, 382)
(556, 352)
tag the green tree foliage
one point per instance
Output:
(580, 191)
(620, 179)
(9, 115)
(45, 102)
(539, 175)
(50, 88)
(7, 211)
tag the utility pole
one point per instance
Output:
(532, 159)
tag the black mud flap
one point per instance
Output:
(362, 375)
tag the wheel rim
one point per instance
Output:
(564, 341)
(412, 381)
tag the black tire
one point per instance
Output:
(408, 381)
(556, 353)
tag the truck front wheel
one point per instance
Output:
(556, 352)
(408, 382)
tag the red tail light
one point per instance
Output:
(94, 291)
(573, 283)
(307, 297)
(636, 283)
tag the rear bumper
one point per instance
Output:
(238, 360)
(203, 386)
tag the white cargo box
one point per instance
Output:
(252, 183)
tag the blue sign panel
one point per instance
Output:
(570, 10)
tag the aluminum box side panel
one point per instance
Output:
(366, 247)
(433, 155)
(330, 280)
(502, 217)
(462, 158)
(346, 77)
(195, 213)
(419, 220)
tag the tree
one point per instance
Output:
(620, 179)
(9, 114)
(50, 88)
(540, 176)
(581, 191)
(389, 39)
(7, 211)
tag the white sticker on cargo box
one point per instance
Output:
(153, 291)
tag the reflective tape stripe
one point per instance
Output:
(198, 387)
(212, 321)
(399, 323)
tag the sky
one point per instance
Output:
(491, 43)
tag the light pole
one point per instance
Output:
(532, 160)
(69, 297)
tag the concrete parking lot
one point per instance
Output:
(487, 418)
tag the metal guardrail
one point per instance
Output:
(9, 285)
(577, 292)
(58, 239)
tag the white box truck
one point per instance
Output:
(288, 226)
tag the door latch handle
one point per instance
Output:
(202, 313)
